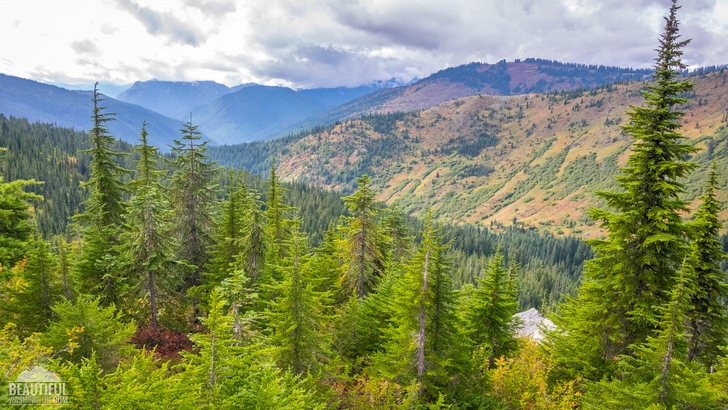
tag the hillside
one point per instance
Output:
(49, 104)
(503, 78)
(530, 159)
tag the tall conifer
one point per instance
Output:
(707, 314)
(636, 265)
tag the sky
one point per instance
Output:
(330, 43)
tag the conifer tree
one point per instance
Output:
(636, 265)
(707, 314)
(489, 313)
(255, 244)
(97, 271)
(148, 244)
(657, 373)
(296, 314)
(193, 197)
(364, 258)
(229, 233)
(421, 335)
(278, 215)
(29, 303)
(15, 225)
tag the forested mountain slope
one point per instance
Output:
(533, 159)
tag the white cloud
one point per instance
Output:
(334, 42)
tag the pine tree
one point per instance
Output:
(97, 271)
(254, 245)
(148, 244)
(193, 193)
(364, 258)
(489, 313)
(636, 265)
(707, 314)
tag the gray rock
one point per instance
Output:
(532, 324)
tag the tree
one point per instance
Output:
(85, 328)
(707, 315)
(97, 271)
(636, 265)
(35, 290)
(489, 312)
(255, 242)
(148, 244)
(278, 215)
(422, 343)
(229, 230)
(657, 373)
(15, 225)
(364, 258)
(193, 196)
(296, 314)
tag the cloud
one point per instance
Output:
(164, 23)
(87, 47)
(216, 8)
(312, 43)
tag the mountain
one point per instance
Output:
(40, 102)
(174, 99)
(255, 113)
(534, 160)
(503, 78)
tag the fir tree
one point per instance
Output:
(489, 313)
(364, 258)
(278, 215)
(254, 245)
(636, 265)
(193, 194)
(229, 233)
(15, 225)
(296, 313)
(97, 271)
(148, 243)
(707, 316)
(421, 335)
(36, 289)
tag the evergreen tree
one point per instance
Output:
(148, 244)
(657, 374)
(707, 314)
(636, 265)
(296, 314)
(97, 271)
(278, 215)
(36, 289)
(364, 258)
(254, 245)
(489, 313)
(15, 225)
(193, 197)
(421, 336)
(229, 230)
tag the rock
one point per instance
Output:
(532, 323)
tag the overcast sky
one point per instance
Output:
(314, 43)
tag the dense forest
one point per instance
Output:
(163, 281)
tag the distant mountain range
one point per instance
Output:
(40, 102)
(250, 112)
